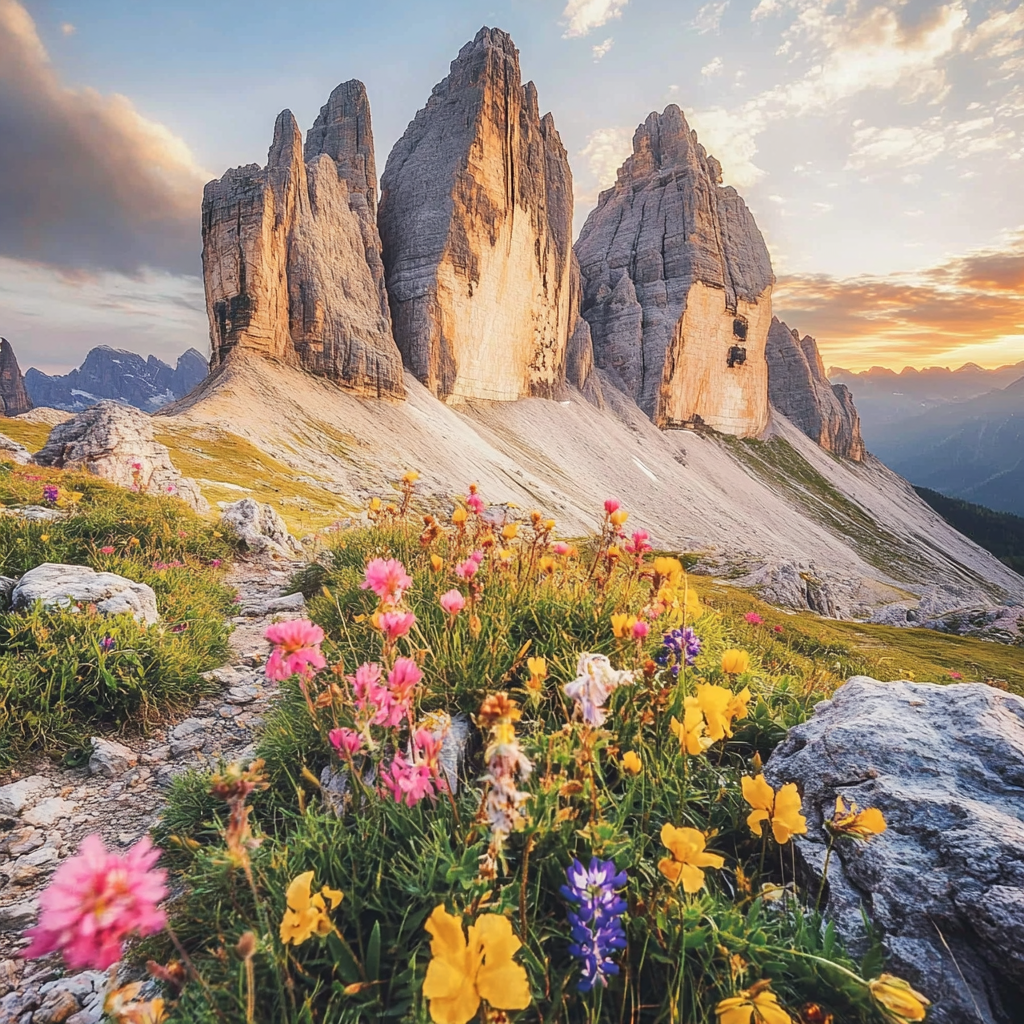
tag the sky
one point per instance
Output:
(879, 145)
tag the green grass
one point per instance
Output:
(57, 683)
(32, 435)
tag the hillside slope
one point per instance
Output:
(318, 453)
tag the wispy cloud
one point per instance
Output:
(601, 49)
(713, 67)
(709, 17)
(67, 29)
(581, 17)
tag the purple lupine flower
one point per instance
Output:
(596, 923)
(681, 646)
(107, 643)
(51, 494)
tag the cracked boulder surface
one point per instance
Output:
(46, 810)
(943, 886)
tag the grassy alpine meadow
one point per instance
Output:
(67, 673)
(508, 777)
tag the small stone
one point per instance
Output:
(49, 811)
(32, 866)
(24, 841)
(56, 1008)
(241, 695)
(156, 755)
(81, 986)
(9, 972)
(127, 838)
(291, 603)
(16, 796)
(91, 1015)
(110, 759)
(16, 916)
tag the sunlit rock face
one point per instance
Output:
(799, 389)
(677, 285)
(476, 220)
(14, 398)
(291, 254)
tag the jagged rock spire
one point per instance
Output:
(14, 398)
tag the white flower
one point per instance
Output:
(594, 682)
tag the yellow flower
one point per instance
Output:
(546, 564)
(375, 504)
(619, 517)
(714, 703)
(549, 524)
(735, 662)
(691, 731)
(505, 554)
(901, 1001)
(307, 912)
(538, 667)
(436, 563)
(632, 763)
(411, 477)
(755, 1005)
(669, 569)
(121, 1006)
(693, 607)
(622, 625)
(45, 537)
(738, 705)
(613, 551)
(462, 973)
(509, 531)
(459, 516)
(782, 809)
(858, 824)
(688, 857)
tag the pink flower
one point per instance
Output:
(955, 675)
(476, 504)
(296, 650)
(345, 741)
(95, 900)
(373, 700)
(396, 624)
(388, 579)
(408, 783)
(753, 618)
(467, 570)
(561, 548)
(428, 748)
(611, 505)
(453, 602)
(639, 544)
(777, 629)
(108, 550)
(403, 678)
(477, 556)
(215, 563)
(640, 629)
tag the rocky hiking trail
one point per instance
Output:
(47, 810)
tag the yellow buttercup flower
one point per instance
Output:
(690, 731)
(546, 564)
(411, 477)
(459, 516)
(538, 667)
(688, 858)
(619, 517)
(735, 662)
(436, 563)
(848, 821)
(670, 570)
(622, 625)
(375, 504)
(549, 524)
(632, 763)
(755, 1005)
(461, 974)
(898, 998)
(737, 707)
(307, 912)
(781, 809)
(714, 703)
(509, 531)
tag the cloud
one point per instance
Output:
(731, 136)
(897, 147)
(709, 17)
(968, 308)
(601, 50)
(67, 29)
(713, 67)
(91, 183)
(583, 16)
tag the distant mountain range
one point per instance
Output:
(123, 376)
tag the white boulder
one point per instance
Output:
(63, 586)
(260, 528)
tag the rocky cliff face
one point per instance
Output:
(291, 254)
(14, 398)
(799, 389)
(677, 285)
(476, 221)
(110, 373)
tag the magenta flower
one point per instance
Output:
(753, 618)
(640, 629)
(388, 579)
(215, 563)
(296, 650)
(396, 624)
(611, 505)
(408, 783)
(639, 544)
(403, 679)
(427, 748)
(108, 550)
(561, 548)
(373, 699)
(477, 556)
(476, 503)
(346, 742)
(452, 602)
(467, 570)
(955, 675)
(777, 629)
(95, 900)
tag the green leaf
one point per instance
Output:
(373, 954)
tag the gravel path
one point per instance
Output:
(46, 810)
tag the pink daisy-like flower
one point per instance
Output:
(408, 783)
(95, 900)
(452, 602)
(396, 624)
(753, 618)
(403, 679)
(388, 579)
(640, 629)
(611, 505)
(296, 650)
(467, 570)
(345, 741)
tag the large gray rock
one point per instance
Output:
(62, 586)
(675, 275)
(14, 398)
(476, 221)
(12, 451)
(799, 389)
(944, 885)
(291, 253)
(260, 528)
(793, 586)
(116, 442)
